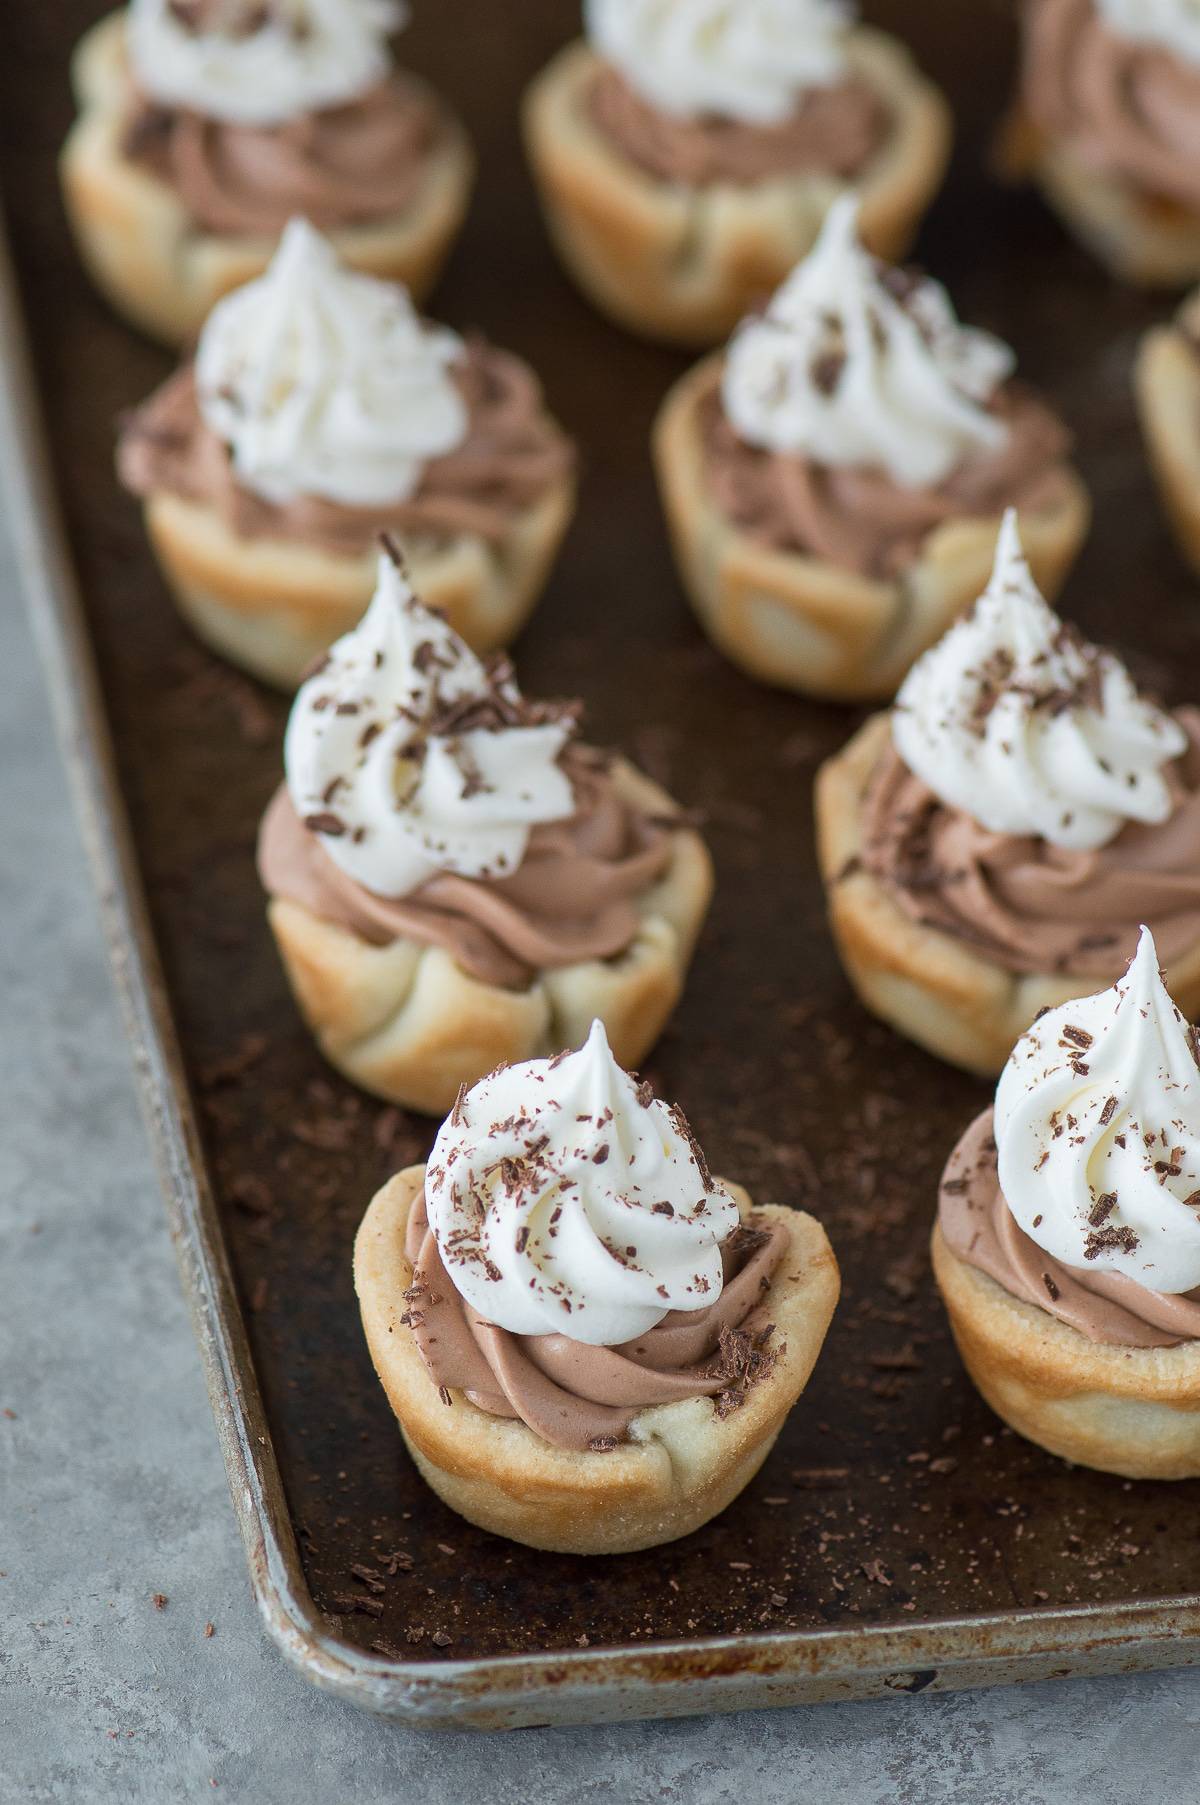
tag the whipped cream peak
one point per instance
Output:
(325, 382)
(748, 60)
(1098, 1132)
(1015, 719)
(407, 756)
(855, 363)
(566, 1199)
(1172, 24)
(260, 62)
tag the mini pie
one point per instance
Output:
(1069, 1263)
(1050, 809)
(454, 879)
(834, 481)
(318, 412)
(696, 1335)
(1104, 122)
(187, 160)
(682, 179)
(1167, 386)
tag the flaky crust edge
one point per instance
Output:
(683, 1464)
(144, 252)
(685, 264)
(806, 625)
(1131, 1411)
(405, 1022)
(272, 607)
(925, 983)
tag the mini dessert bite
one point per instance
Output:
(205, 125)
(687, 153)
(1167, 387)
(1108, 123)
(1067, 1246)
(995, 840)
(455, 879)
(319, 411)
(589, 1342)
(834, 480)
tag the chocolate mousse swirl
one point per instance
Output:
(978, 1226)
(1025, 903)
(834, 131)
(513, 452)
(582, 1397)
(344, 166)
(1131, 110)
(573, 897)
(860, 518)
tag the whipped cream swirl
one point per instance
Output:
(260, 62)
(566, 1199)
(748, 60)
(325, 382)
(1174, 24)
(855, 363)
(406, 756)
(1027, 728)
(1098, 1132)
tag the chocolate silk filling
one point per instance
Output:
(978, 1226)
(1029, 905)
(834, 131)
(581, 1397)
(513, 452)
(859, 517)
(1129, 110)
(574, 896)
(348, 165)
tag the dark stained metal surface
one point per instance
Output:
(898, 1537)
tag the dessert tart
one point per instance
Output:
(686, 154)
(1108, 123)
(834, 480)
(589, 1342)
(455, 879)
(320, 410)
(204, 125)
(993, 843)
(1067, 1246)
(1167, 385)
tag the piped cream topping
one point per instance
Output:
(1023, 725)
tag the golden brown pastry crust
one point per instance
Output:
(683, 1463)
(1167, 387)
(406, 1022)
(685, 265)
(273, 607)
(1147, 242)
(927, 984)
(143, 250)
(1132, 1411)
(815, 627)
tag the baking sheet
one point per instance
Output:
(898, 1537)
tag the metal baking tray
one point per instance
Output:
(898, 1538)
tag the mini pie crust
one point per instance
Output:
(164, 274)
(1126, 1410)
(808, 625)
(683, 1463)
(926, 983)
(1148, 242)
(273, 607)
(686, 263)
(408, 1023)
(1167, 386)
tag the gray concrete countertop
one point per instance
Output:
(112, 1490)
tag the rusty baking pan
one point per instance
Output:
(898, 1538)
